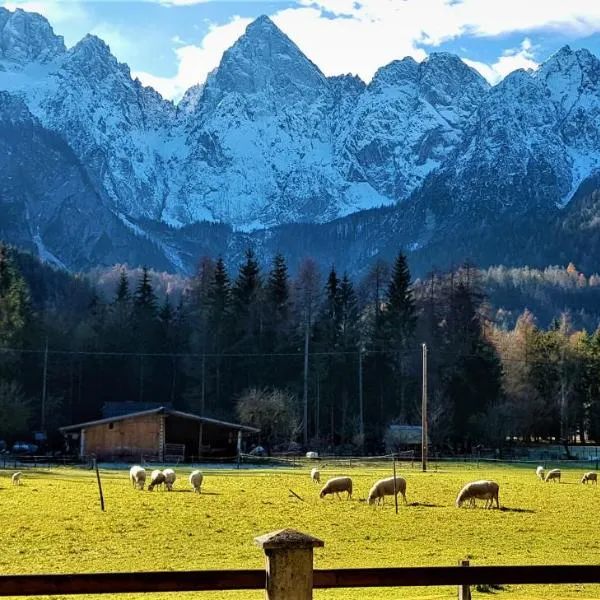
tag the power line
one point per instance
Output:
(365, 354)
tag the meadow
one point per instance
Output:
(52, 523)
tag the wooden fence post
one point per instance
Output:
(289, 556)
(464, 591)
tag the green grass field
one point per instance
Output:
(52, 523)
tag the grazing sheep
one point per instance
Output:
(157, 479)
(553, 475)
(337, 485)
(137, 475)
(385, 487)
(16, 478)
(315, 475)
(169, 479)
(589, 476)
(540, 472)
(196, 478)
(312, 455)
(482, 490)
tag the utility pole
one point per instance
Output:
(44, 386)
(424, 412)
(203, 386)
(361, 422)
(305, 390)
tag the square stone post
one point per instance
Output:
(289, 556)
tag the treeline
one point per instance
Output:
(545, 292)
(334, 360)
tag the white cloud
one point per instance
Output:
(54, 10)
(511, 60)
(359, 36)
(196, 62)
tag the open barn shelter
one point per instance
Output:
(161, 434)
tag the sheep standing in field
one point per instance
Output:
(553, 475)
(337, 485)
(196, 478)
(16, 478)
(137, 475)
(169, 479)
(482, 490)
(385, 487)
(540, 472)
(315, 475)
(590, 476)
(157, 479)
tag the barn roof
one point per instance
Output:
(157, 411)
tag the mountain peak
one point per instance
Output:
(26, 37)
(263, 24)
(265, 61)
(92, 56)
(93, 42)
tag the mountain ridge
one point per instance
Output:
(269, 144)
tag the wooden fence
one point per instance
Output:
(289, 575)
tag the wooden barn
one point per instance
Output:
(161, 434)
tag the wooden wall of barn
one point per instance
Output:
(128, 438)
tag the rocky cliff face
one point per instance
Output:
(271, 147)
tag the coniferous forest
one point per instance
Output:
(317, 358)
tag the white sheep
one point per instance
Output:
(16, 478)
(590, 476)
(540, 472)
(553, 475)
(385, 487)
(337, 485)
(196, 478)
(157, 479)
(312, 455)
(169, 479)
(315, 475)
(482, 490)
(137, 475)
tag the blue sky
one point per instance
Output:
(172, 44)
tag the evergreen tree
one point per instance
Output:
(471, 375)
(146, 333)
(246, 296)
(123, 295)
(14, 301)
(277, 305)
(220, 319)
(398, 330)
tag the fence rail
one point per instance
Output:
(256, 579)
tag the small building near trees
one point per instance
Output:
(161, 434)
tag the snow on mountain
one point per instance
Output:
(268, 145)
(572, 80)
(408, 121)
(49, 204)
(26, 37)
(260, 141)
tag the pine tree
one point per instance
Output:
(471, 376)
(219, 324)
(15, 311)
(246, 296)
(277, 306)
(144, 298)
(399, 324)
(123, 295)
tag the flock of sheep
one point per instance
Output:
(476, 490)
(158, 478)
(486, 490)
(554, 475)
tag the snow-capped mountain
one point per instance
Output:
(271, 152)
